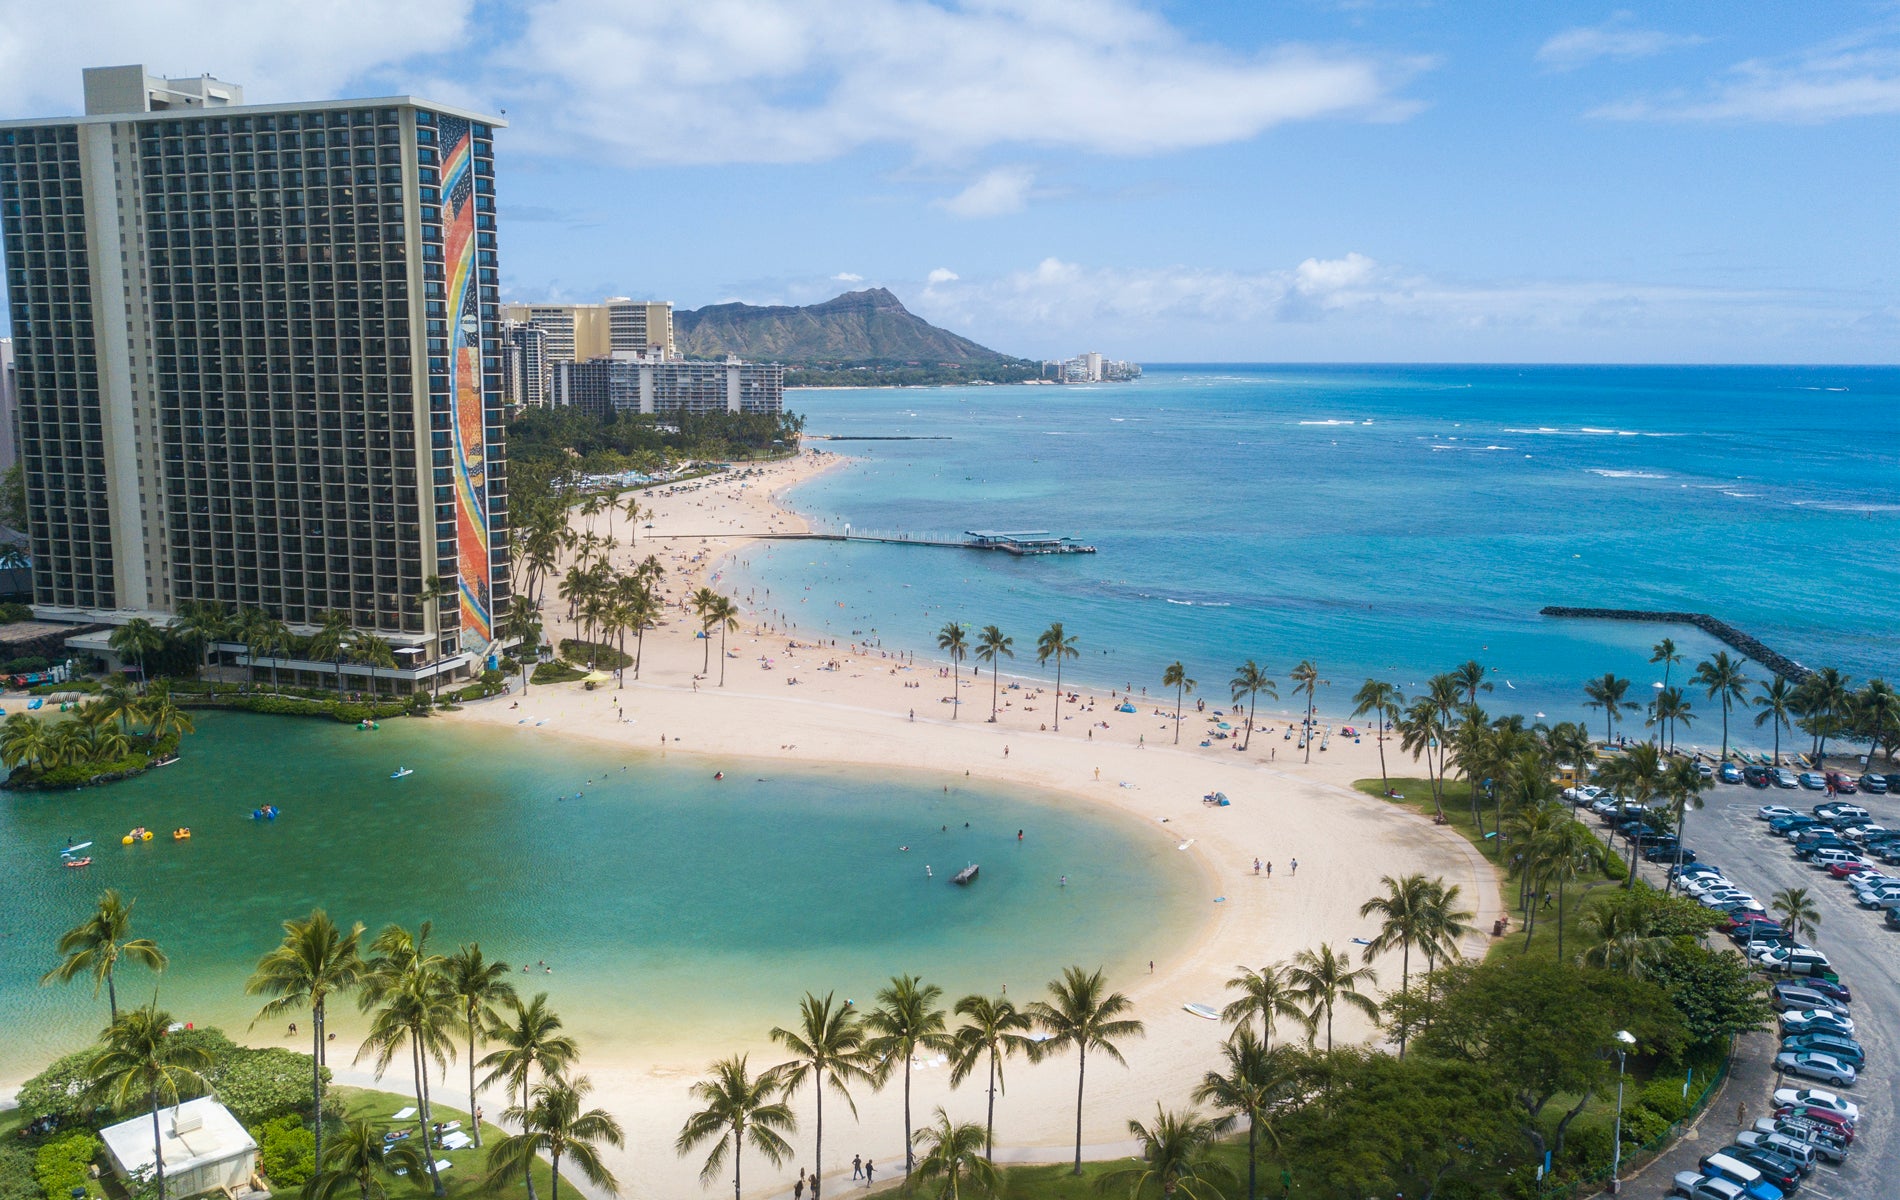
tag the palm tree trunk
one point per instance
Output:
(1247, 741)
(112, 997)
(956, 702)
(1081, 1073)
(738, 1149)
(996, 673)
(1560, 918)
(316, 1077)
(158, 1147)
(474, 1105)
(818, 1146)
(422, 1106)
(1058, 723)
(1405, 985)
(989, 1121)
(1180, 692)
(1252, 1159)
(907, 1153)
(1382, 776)
(528, 1169)
(554, 1188)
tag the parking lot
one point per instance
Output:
(1860, 947)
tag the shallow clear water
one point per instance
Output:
(673, 909)
(1388, 521)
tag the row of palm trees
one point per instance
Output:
(1824, 704)
(203, 624)
(992, 646)
(90, 736)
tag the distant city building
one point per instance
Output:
(1091, 367)
(258, 360)
(617, 325)
(649, 384)
(525, 369)
(9, 409)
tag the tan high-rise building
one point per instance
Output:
(578, 332)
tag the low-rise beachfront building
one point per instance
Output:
(205, 1149)
(648, 384)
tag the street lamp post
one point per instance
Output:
(1624, 1040)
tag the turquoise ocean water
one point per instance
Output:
(673, 909)
(1388, 521)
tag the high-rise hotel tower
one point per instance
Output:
(258, 358)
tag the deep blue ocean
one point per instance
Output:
(1386, 521)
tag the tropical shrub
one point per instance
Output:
(603, 656)
(286, 1150)
(11, 612)
(17, 1179)
(261, 1086)
(61, 1165)
(555, 671)
(60, 1090)
(1664, 1098)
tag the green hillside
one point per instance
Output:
(871, 326)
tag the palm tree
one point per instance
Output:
(1722, 678)
(1402, 923)
(1176, 677)
(1797, 910)
(1253, 1085)
(530, 1039)
(703, 602)
(950, 640)
(315, 962)
(1623, 940)
(1263, 993)
(1562, 853)
(1608, 694)
(118, 699)
(724, 614)
(332, 641)
(1672, 709)
(1828, 698)
(373, 652)
(402, 989)
(264, 636)
(552, 1122)
(1569, 744)
(1082, 1012)
(1325, 980)
(954, 1154)
(1176, 1158)
(1442, 924)
(1635, 775)
(1683, 784)
(1879, 705)
(992, 1030)
(95, 946)
(1381, 700)
(476, 986)
(520, 624)
(1249, 681)
(1664, 652)
(740, 1108)
(1054, 643)
(1306, 679)
(907, 1018)
(1777, 704)
(828, 1050)
(1470, 680)
(163, 718)
(993, 647)
(135, 639)
(202, 622)
(139, 1060)
(359, 1160)
(23, 739)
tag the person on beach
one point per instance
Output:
(1256, 865)
(857, 1166)
(1296, 866)
(868, 1169)
(1269, 868)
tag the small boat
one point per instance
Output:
(266, 813)
(1207, 1011)
(964, 876)
(182, 833)
(78, 862)
(141, 834)
(71, 850)
(401, 772)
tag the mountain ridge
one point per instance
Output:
(867, 326)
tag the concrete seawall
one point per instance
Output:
(1751, 646)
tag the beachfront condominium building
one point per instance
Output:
(617, 325)
(650, 384)
(524, 364)
(258, 359)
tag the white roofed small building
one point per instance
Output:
(205, 1148)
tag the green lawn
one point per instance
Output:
(464, 1178)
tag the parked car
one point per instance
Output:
(1847, 1050)
(1841, 868)
(1795, 1150)
(1839, 808)
(1693, 869)
(1765, 931)
(1816, 1020)
(1754, 1183)
(1793, 960)
(1756, 776)
(1793, 823)
(1893, 780)
(1664, 850)
(1779, 1170)
(1789, 995)
(1827, 856)
(1821, 1118)
(1814, 781)
(1769, 812)
(1833, 989)
(1825, 1145)
(1814, 1065)
(1729, 773)
(1893, 918)
(1872, 784)
(1784, 778)
(1844, 784)
(1815, 1099)
(1696, 1186)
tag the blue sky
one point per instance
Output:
(1162, 180)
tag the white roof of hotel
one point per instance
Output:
(217, 1138)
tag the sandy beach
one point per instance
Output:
(862, 706)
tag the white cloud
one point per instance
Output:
(706, 81)
(1826, 83)
(1616, 39)
(847, 277)
(996, 193)
(279, 50)
(942, 275)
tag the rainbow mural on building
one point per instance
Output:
(465, 348)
